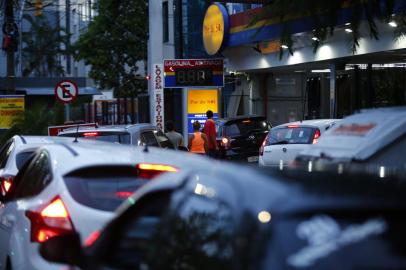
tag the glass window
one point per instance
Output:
(246, 127)
(165, 21)
(22, 157)
(148, 138)
(286, 135)
(163, 140)
(5, 153)
(103, 188)
(35, 178)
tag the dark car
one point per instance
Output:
(229, 217)
(137, 134)
(240, 138)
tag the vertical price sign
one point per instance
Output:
(158, 92)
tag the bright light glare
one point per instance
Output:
(348, 30)
(264, 216)
(156, 167)
(310, 166)
(382, 172)
(393, 24)
(281, 164)
(284, 47)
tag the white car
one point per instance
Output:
(376, 137)
(15, 152)
(75, 187)
(284, 142)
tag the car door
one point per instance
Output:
(33, 177)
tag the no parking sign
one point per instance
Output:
(66, 91)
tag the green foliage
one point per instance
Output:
(42, 46)
(113, 44)
(325, 16)
(34, 121)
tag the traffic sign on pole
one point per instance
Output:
(66, 91)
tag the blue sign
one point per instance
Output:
(198, 117)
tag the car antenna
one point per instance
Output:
(76, 134)
(146, 148)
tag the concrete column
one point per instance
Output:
(333, 104)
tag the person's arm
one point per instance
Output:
(206, 144)
(190, 141)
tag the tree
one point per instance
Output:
(325, 16)
(113, 44)
(42, 47)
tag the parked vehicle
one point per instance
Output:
(66, 188)
(286, 141)
(235, 218)
(15, 152)
(239, 138)
(137, 134)
(375, 136)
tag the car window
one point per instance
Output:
(35, 178)
(107, 136)
(132, 241)
(5, 153)
(197, 235)
(296, 135)
(103, 188)
(148, 138)
(22, 157)
(245, 127)
(163, 140)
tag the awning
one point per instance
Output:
(48, 91)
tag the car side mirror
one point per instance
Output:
(183, 148)
(65, 249)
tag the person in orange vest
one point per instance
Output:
(198, 140)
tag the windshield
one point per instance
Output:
(245, 127)
(103, 188)
(287, 135)
(115, 137)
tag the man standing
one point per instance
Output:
(210, 131)
(175, 137)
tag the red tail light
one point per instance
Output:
(90, 134)
(316, 136)
(6, 183)
(264, 143)
(50, 221)
(148, 171)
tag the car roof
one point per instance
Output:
(29, 139)
(240, 117)
(361, 135)
(320, 123)
(73, 156)
(112, 128)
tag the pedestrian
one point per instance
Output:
(210, 131)
(198, 140)
(175, 137)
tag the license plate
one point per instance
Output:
(253, 159)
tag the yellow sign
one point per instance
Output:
(200, 101)
(10, 107)
(215, 28)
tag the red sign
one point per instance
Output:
(54, 130)
(66, 91)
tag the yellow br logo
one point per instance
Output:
(215, 28)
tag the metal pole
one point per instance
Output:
(67, 112)
(11, 29)
(67, 15)
(333, 104)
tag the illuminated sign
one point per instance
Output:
(215, 28)
(10, 108)
(193, 72)
(199, 102)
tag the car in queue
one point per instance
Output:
(15, 152)
(239, 138)
(214, 218)
(284, 142)
(372, 136)
(65, 188)
(136, 134)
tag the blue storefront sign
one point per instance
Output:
(198, 117)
